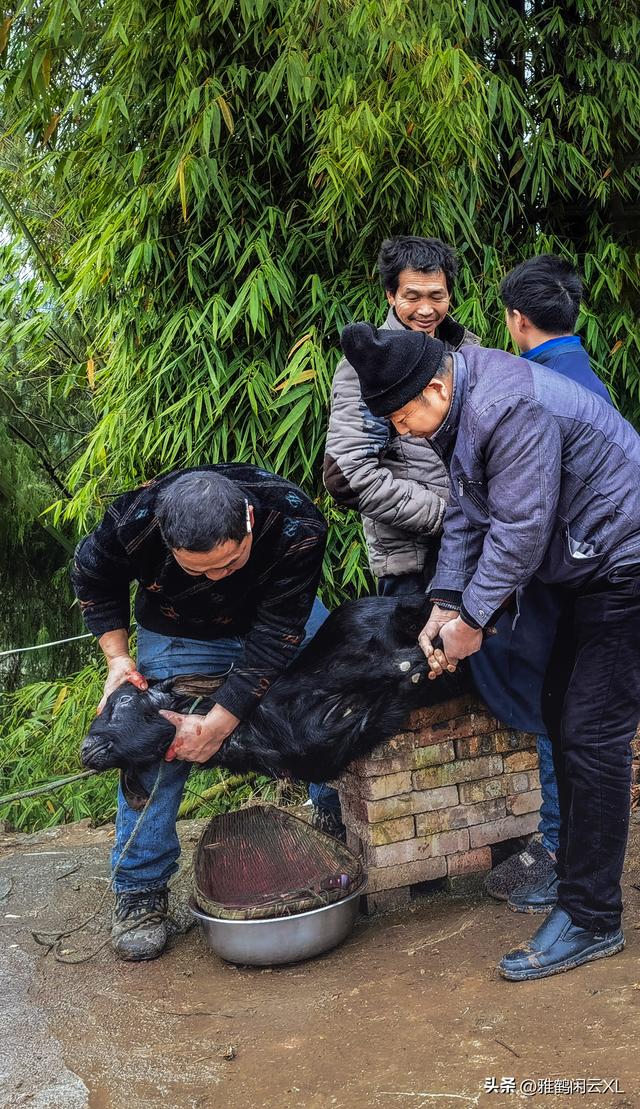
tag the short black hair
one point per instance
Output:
(547, 290)
(409, 252)
(200, 510)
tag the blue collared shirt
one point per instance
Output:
(566, 355)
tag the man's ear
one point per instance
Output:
(440, 387)
(522, 322)
(391, 297)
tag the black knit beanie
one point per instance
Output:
(393, 366)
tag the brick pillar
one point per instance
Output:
(428, 804)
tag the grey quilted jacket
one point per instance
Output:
(398, 484)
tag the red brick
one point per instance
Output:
(394, 854)
(353, 808)
(523, 781)
(385, 831)
(507, 741)
(387, 785)
(427, 800)
(375, 768)
(521, 760)
(470, 862)
(460, 727)
(460, 816)
(394, 746)
(476, 745)
(446, 710)
(524, 802)
(457, 772)
(507, 828)
(357, 808)
(433, 755)
(371, 812)
(487, 789)
(448, 843)
(406, 874)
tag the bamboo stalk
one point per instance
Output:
(190, 804)
(46, 787)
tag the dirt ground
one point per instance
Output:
(409, 1013)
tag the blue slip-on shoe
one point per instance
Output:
(558, 945)
(536, 897)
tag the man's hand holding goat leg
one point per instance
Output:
(458, 640)
(198, 738)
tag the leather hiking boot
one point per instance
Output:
(139, 924)
(527, 868)
(535, 897)
(558, 945)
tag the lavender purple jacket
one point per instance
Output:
(545, 482)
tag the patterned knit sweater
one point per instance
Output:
(266, 602)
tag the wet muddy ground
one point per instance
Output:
(408, 1014)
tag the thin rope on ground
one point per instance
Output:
(53, 940)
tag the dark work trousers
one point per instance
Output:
(591, 707)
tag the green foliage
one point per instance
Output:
(43, 724)
(194, 195)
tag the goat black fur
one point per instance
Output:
(353, 686)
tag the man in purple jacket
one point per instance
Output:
(545, 484)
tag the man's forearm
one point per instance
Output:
(115, 644)
(120, 665)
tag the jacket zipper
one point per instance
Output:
(473, 497)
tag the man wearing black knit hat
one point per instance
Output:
(545, 484)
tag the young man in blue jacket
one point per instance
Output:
(545, 485)
(542, 301)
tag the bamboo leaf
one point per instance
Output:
(46, 68)
(226, 113)
(183, 189)
(50, 128)
(57, 704)
(5, 28)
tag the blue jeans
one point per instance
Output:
(549, 826)
(153, 856)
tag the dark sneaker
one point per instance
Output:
(139, 924)
(328, 821)
(558, 945)
(531, 866)
(535, 897)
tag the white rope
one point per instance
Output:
(41, 646)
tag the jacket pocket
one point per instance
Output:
(472, 500)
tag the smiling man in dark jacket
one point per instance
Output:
(545, 483)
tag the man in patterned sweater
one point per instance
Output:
(227, 560)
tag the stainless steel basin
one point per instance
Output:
(284, 939)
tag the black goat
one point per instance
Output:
(351, 687)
